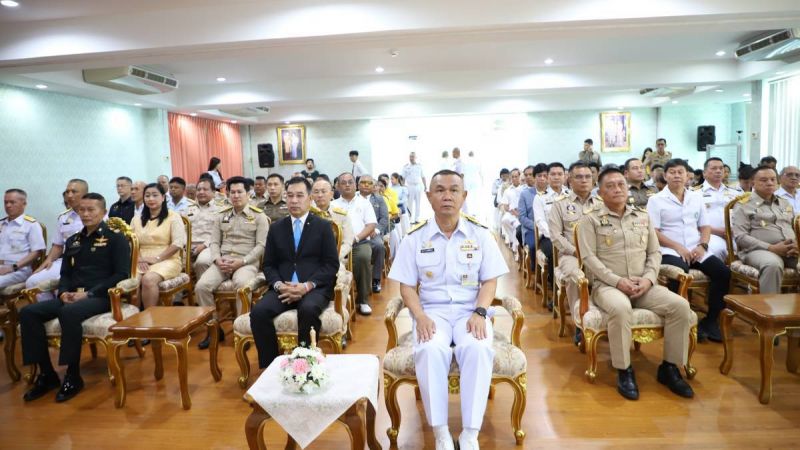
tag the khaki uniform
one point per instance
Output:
(202, 219)
(656, 159)
(756, 224)
(276, 211)
(242, 235)
(588, 157)
(564, 217)
(614, 247)
(339, 216)
(258, 202)
(638, 196)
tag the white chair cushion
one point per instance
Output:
(541, 258)
(95, 327)
(12, 289)
(509, 361)
(595, 319)
(287, 322)
(172, 283)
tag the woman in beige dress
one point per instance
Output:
(161, 237)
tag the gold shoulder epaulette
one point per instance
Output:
(744, 198)
(697, 188)
(64, 212)
(226, 209)
(339, 211)
(561, 197)
(30, 219)
(190, 201)
(314, 210)
(473, 220)
(418, 226)
(258, 210)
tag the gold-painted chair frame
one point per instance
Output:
(165, 296)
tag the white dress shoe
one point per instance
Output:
(364, 309)
(445, 443)
(465, 443)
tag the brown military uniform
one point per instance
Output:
(243, 236)
(638, 196)
(259, 202)
(614, 247)
(564, 216)
(588, 157)
(202, 219)
(275, 211)
(656, 159)
(756, 224)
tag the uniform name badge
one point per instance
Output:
(468, 246)
(427, 247)
(469, 279)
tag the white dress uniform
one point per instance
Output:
(413, 174)
(18, 237)
(541, 208)
(793, 200)
(182, 207)
(715, 201)
(509, 222)
(69, 223)
(449, 273)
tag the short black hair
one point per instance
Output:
(745, 171)
(656, 166)
(95, 196)
(539, 168)
(661, 139)
(276, 175)
(299, 180)
(677, 162)
(504, 171)
(528, 167)
(608, 170)
(578, 165)
(587, 141)
(20, 192)
(123, 178)
(713, 158)
(627, 166)
(593, 164)
(554, 165)
(310, 159)
(353, 152)
(324, 176)
(763, 167)
(237, 180)
(767, 160)
(178, 180)
(725, 166)
(261, 178)
(206, 180)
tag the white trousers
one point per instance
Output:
(433, 358)
(718, 247)
(413, 204)
(53, 273)
(509, 224)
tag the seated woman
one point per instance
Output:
(161, 236)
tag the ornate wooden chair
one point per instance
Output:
(540, 272)
(335, 319)
(741, 273)
(560, 306)
(167, 289)
(95, 329)
(9, 318)
(647, 326)
(510, 363)
(527, 278)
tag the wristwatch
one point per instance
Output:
(15, 267)
(480, 311)
(704, 245)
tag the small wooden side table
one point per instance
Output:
(771, 314)
(164, 324)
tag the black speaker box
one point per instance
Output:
(266, 156)
(706, 135)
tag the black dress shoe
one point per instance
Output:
(626, 384)
(710, 330)
(70, 388)
(203, 345)
(132, 342)
(670, 376)
(44, 383)
(578, 336)
(376, 287)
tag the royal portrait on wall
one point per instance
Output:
(615, 131)
(292, 144)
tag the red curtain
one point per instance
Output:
(194, 140)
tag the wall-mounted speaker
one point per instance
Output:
(706, 135)
(266, 156)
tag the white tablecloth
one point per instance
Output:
(303, 416)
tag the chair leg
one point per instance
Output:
(591, 352)
(10, 350)
(139, 349)
(637, 346)
(562, 312)
(241, 358)
(393, 408)
(545, 290)
(336, 341)
(93, 350)
(691, 371)
(519, 386)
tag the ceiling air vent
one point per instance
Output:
(133, 79)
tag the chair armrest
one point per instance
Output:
(583, 293)
(48, 285)
(126, 287)
(393, 308)
(341, 291)
(514, 308)
(684, 280)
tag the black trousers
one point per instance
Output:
(716, 271)
(70, 315)
(546, 246)
(309, 308)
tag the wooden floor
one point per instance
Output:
(563, 410)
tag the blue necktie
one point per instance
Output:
(298, 230)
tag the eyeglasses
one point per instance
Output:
(582, 177)
(366, 183)
(792, 175)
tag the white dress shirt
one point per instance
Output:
(359, 211)
(358, 169)
(413, 174)
(541, 208)
(793, 200)
(678, 221)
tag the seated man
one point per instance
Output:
(525, 207)
(715, 196)
(322, 194)
(237, 244)
(300, 266)
(619, 249)
(95, 260)
(366, 190)
(762, 230)
(639, 192)
(259, 197)
(125, 206)
(177, 201)
(681, 222)
(509, 204)
(541, 211)
(790, 179)
(455, 262)
(202, 215)
(275, 206)
(21, 240)
(69, 223)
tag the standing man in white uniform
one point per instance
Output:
(416, 184)
(455, 262)
(358, 168)
(69, 223)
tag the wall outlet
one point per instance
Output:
(754, 135)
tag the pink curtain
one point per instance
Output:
(194, 140)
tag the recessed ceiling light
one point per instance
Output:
(9, 3)
(193, 114)
(41, 86)
(287, 122)
(674, 102)
(221, 79)
(549, 61)
(137, 104)
(745, 95)
(780, 72)
(620, 107)
(234, 121)
(379, 69)
(720, 53)
(718, 90)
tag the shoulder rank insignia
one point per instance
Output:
(744, 198)
(418, 226)
(339, 211)
(30, 219)
(561, 197)
(473, 220)
(64, 212)
(697, 188)
(258, 210)
(226, 209)
(191, 202)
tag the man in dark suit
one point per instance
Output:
(366, 187)
(300, 265)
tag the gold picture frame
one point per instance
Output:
(615, 131)
(291, 144)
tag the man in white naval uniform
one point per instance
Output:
(416, 183)
(69, 223)
(456, 263)
(715, 196)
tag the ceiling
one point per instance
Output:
(316, 60)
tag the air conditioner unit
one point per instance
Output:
(247, 111)
(133, 79)
(667, 91)
(781, 45)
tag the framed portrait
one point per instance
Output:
(291, 144)
(615, 131)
